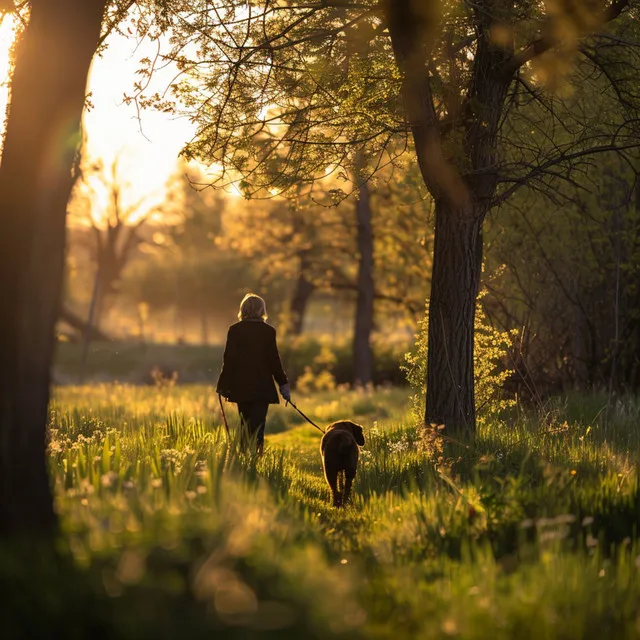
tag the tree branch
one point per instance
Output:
(563, 157)
(547, 42)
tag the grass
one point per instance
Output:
(531, 531)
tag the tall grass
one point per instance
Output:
(529, 531)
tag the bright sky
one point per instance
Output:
(147, 147)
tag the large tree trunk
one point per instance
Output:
(461, 200)
(362, 353)
(42, 135)
(457, 264)
(300, 301)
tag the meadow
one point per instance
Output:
(530, 531)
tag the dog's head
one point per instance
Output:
(354, 428)
(358, 433)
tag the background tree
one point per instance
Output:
(304, 247)
(294, 244)
(190, 271)
(115, 228)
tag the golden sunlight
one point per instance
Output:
(146, 144)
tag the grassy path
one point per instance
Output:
(530, 532)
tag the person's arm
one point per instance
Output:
(275, 363)
(227, 363)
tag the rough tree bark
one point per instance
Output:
(42, 135)
(456, 272)
(362, 353)
(462, 200)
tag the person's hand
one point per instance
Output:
(285, 391)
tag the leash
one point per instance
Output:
(309, 420)
(224, 417)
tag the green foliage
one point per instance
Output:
(260, 125)
(491, 348)
(284, 95)
(308, 358)
(491, 370)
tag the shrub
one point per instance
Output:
(331, 360)
(490, 370)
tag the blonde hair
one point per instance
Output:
(252, 307)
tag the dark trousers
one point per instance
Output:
(253, 419)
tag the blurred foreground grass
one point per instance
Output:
(529, 532)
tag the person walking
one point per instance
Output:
(250, 364)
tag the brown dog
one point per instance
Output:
(339, 449)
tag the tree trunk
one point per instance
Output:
(457, 264)
(42, 135)
(107, 290)
(362, 353)
(299, 302)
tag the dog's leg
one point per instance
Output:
(348, 480)
(332, 478)
(340, 489)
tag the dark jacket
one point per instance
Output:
(251, 362)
